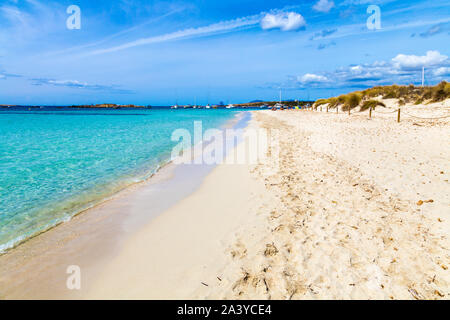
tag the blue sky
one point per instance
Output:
(162, 52)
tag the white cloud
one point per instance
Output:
(442, 71)
(400, 70)
(432, 58)
(286, 21)
(323, 6)
(313, 78)
(356, 69)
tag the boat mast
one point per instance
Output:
(423, 76)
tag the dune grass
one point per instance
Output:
(352, 100)
(404, 94)
(371, 104)
(411, 93)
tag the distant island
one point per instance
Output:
(102, 105)
(109, 105)
(252, 104)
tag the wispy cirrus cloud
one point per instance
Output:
(323, 46)
(173, 11)
(360, 29)
(5, 75)
(30, 18)
(279, 19)
(323, 34)
(79, 85)
(363, 2)
(434, 30)
(14, 16)
(216, 28)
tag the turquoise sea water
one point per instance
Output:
(56, 162)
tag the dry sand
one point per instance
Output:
(357, 209)
(179, 251)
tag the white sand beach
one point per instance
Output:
(357, 209)
(227, 151)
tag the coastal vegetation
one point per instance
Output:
(405, 94)
(371, 104)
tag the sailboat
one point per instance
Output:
(278, 106)
(176, 101)
(195, 103)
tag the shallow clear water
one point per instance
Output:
(56, 162)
